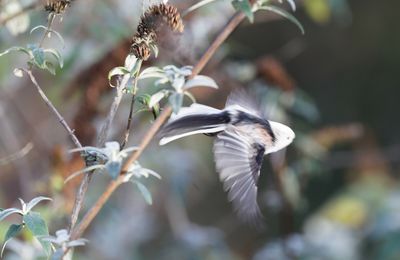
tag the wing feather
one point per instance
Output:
(238, 160)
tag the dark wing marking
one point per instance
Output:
(238, 160)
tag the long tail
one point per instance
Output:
(196, 119)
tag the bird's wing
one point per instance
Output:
(238, 160)
(242, 100)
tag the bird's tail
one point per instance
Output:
(196, 119)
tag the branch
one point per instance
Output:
(92, 213)
(53, 109)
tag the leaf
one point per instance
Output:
(13, 231)
(117, 71)
(35, 201)
(56, 55)
(200, 81)
(144, 191)
(196, 6)
(152, 72)
(176, 101)
(38, 57)
(87, 169)
(130, 61)
(7, 212)
(156, 98)
(35, 223)
(291, 3)
(285, 14)
(49, 30)
(245, 7)
(49, 67)
(58, 254)
(20, 49)
(192, 98)
(114, 168)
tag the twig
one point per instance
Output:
(48, 28)
(53, 109)
(128, 126)
(80, 196)
(17, 155)
(91, 214)
(22, 11)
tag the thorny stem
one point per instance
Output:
(94, 210)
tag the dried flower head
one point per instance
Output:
(152, 24)
(57, 6)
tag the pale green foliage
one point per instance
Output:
(178, 81)
(249, 10)
(32, 220)
(39, 57)
(62, 241)
(109, 158)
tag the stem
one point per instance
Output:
(53, 109)
(50, 22)
(128, 127)
(92, 213)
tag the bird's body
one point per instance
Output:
(243, 137)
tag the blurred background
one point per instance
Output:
(333, 194)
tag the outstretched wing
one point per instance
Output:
(243, 100)
(238, 160)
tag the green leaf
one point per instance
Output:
(50, 31)
(144, 191)
(50, 67)
(117, 71)
(285, 14)
(7, 212)
(152, 72)
(157, 97)
(245, 7)
(13, 231)
(20, 49)
(176, 101)
(38, 57)
(35, 201)
(200, 81)
(56, 55)
(35, 223)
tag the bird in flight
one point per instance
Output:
(243, 137)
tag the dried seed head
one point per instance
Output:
(57, 6)
(152, 25)
(141, 50)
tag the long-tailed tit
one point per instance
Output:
(243, 137)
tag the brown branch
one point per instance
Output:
(91, 214)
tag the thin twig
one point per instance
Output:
(94, 210)
(53, 109)
(48, 28)
(17, 155)
(21, 12)
(128, 126)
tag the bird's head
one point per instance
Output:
(284, 136)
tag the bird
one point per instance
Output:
(243, 136)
